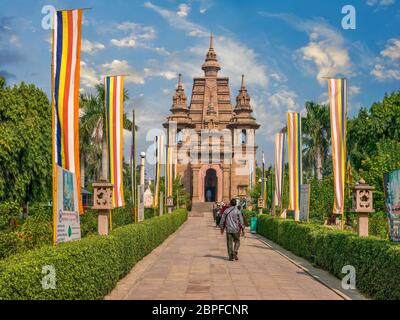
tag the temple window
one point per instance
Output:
(179, 136)
(243, 136)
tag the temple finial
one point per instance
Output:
(180, 80)
(243, 82)
(211, 41)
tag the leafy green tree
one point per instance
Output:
(316, 136)
(380, 122)
(385, 159)
(93, 144)
(25, 143)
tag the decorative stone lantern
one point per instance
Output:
(362, 205)
(170, 204)
(260, 205)
(102, 201)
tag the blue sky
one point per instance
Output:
(283, 47)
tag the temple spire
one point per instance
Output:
(179, 98)
(211, 65)
(243, 98)
(180, 81)
(211, 41)
(243, 86)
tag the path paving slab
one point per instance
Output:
(193, 264)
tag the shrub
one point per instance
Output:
(9, 244)
(9, 212)
(38, 228)
(378, 224)
(85, 269)
(375, 260)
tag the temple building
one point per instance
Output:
(213, 142)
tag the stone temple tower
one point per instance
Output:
(213, 143)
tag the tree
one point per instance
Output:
(380, 122)
(25, 143)
(315, 126)
(93, 143)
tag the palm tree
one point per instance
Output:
(93, 142)
(316, 136)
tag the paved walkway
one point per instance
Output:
(192, 264)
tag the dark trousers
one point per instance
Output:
(230, 239)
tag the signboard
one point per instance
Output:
(67, 222)
(305, 191)
(391, 182)
(141, 203)
(170, 202)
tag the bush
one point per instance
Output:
(38, 228)
(9, 244)
(9, 212)
(85, 269)
(378, 224)
(376, 261)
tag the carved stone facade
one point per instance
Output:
(213, 142)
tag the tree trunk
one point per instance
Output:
(318, 163)
(104, 159)
(82, 164)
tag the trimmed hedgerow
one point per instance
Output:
(85, 269)
(376, 261)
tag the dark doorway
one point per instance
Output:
(210, 186)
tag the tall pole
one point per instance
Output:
(53, 157)
(263, 180)
(133, 169)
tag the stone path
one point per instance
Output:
(192, 264)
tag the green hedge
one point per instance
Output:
(85, 269)
(376, 261)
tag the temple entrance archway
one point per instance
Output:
(210, 186)
(210, 183)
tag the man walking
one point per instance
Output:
(232, 221)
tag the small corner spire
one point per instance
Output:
(243, 85)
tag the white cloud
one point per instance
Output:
(124, 42)
(137, 35)
(354, 90)
(326, 54)
(184, 10)
(178, 22)
(284, 99)
(387, 66)
(167, 74)
(235, 58)
(89, 76)
(203, 10)
(392, 50)
(122, 67)
(380, 2)
(91, 47)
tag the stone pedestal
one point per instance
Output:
(362, 224)
(102, 222)
(362, 205)
(102, 201)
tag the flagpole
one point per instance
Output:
(54, 167)
(345, 145)
(133, 169)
